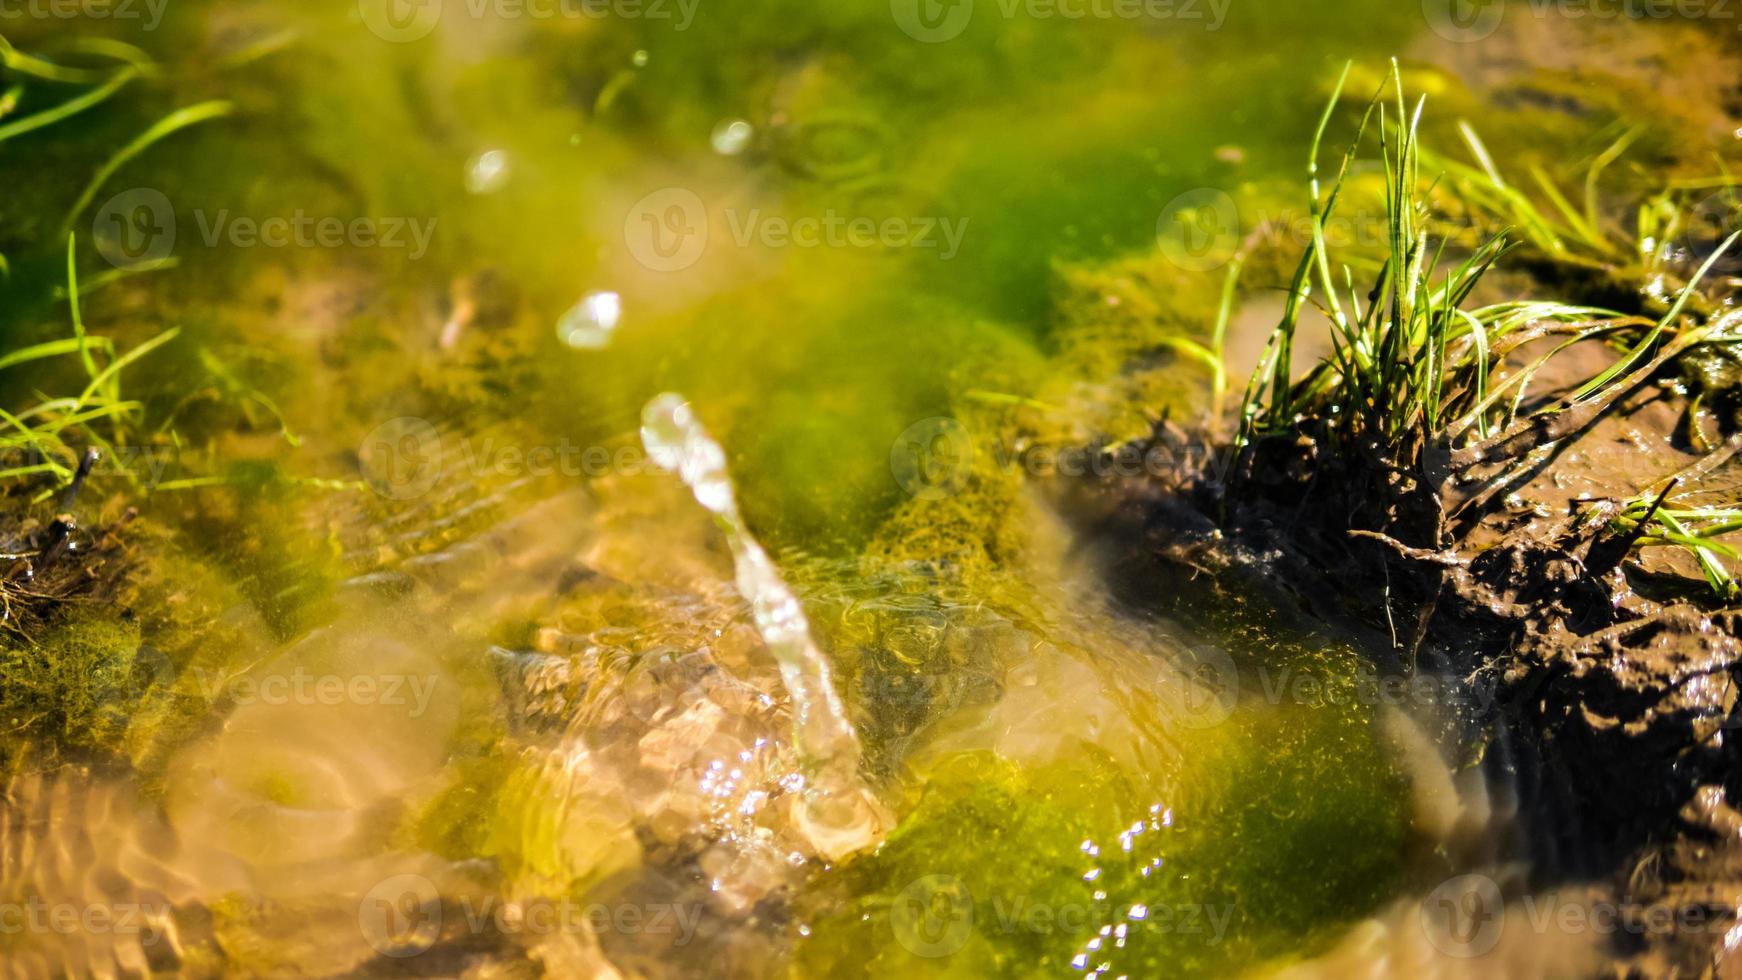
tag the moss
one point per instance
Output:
(456, 823)
(285, 565)
(248, 938)
(813, 461)
(1283, 824)
(119, 672)
(78, 685)
(1111, 324)
(511, 810)
(971, 522)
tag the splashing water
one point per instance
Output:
(840, 815)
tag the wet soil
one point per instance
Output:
(1610, 671)
(48, 561)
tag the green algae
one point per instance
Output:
(1284, 821)
(457, 823)
(285, 568)
(1292, 825)
(506, 808)
(77, 686)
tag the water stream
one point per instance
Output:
(841, 816)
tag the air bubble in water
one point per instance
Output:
(732, 137)
(590, 324)
(487, 172)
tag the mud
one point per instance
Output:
(49, 561)
(1612, 669)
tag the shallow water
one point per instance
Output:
(447, 678)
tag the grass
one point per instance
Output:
(46, 442)
(53, 434)
(1414, 366)
(1212, 357)
(1696, 530)
(1411, 358)
(162, 129)
(122, 64)
(1582, 236)
(1567, 234)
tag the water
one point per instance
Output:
(839, 812)
(898, 280)
(591, 323)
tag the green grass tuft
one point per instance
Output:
(1414, 366)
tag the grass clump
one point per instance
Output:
(1418, 383)
(76, 677)
(48, 443)
(1412, 360)
(48, 452)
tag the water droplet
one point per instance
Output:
(487, 172)
(732, 136)
(591, 322)
(639, 59)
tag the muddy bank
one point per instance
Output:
(1604, 674)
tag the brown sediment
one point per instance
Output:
(1612, 669)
